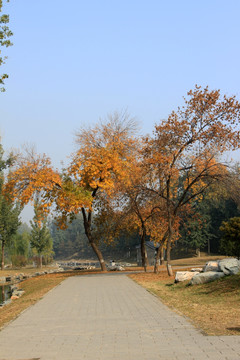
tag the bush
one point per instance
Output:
(19, 260)
(230, 241)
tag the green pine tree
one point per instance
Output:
(230, 242)
(9, 210)
(41, 239)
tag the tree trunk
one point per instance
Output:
(162, 256)
(87, 220)
(209, 247)
(2, 260)
(40, 261)
(99, 255)
(160, 252)
(143, 249)
(157, 258)
(169, 266)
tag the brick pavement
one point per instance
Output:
(103, 317)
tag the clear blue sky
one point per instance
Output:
(75, 61)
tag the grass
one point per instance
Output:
(212, 307)
(196, 260)
(25, 270)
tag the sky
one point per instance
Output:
(76, 61)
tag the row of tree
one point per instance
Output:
(118, 180)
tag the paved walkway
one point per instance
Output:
(103, 317)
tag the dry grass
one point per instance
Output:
(213, 307)
(25, 270)
(196, 260)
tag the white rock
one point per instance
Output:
(211, 266)
(119, 268)
(196, 269)
(206, 277)
(229, 266)
(184, 275)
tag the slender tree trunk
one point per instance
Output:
(157, 258)
(209, 247)
(2, 259)
(160, 251)
(198, 252)
(162, 256)
(169, 240)
(87, 220)
(40, 261)
(3, 294)
(169, 266)
(143, 248)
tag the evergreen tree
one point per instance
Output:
(41, 239)
(230, 242)
(9, 210)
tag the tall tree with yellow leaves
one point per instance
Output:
(103, 157)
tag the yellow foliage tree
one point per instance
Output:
(183, 157)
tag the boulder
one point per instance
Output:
(206, 277)
(120, 268)
(211, 266)
(116, 268)
(229, 266)
(184, 275)
(197, 269)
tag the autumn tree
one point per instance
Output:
(102, 158)
(141, 211)
(5, 34)
(183, 157)
(33, 176)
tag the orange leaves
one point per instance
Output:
(30, 177)
(104, 155)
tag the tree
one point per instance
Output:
(5, 34)
(40, 238)
(183, 156)
(19, 248)
(9, 210)
(195, 227)
(103, 156)
(230, 242)
(9, 222)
